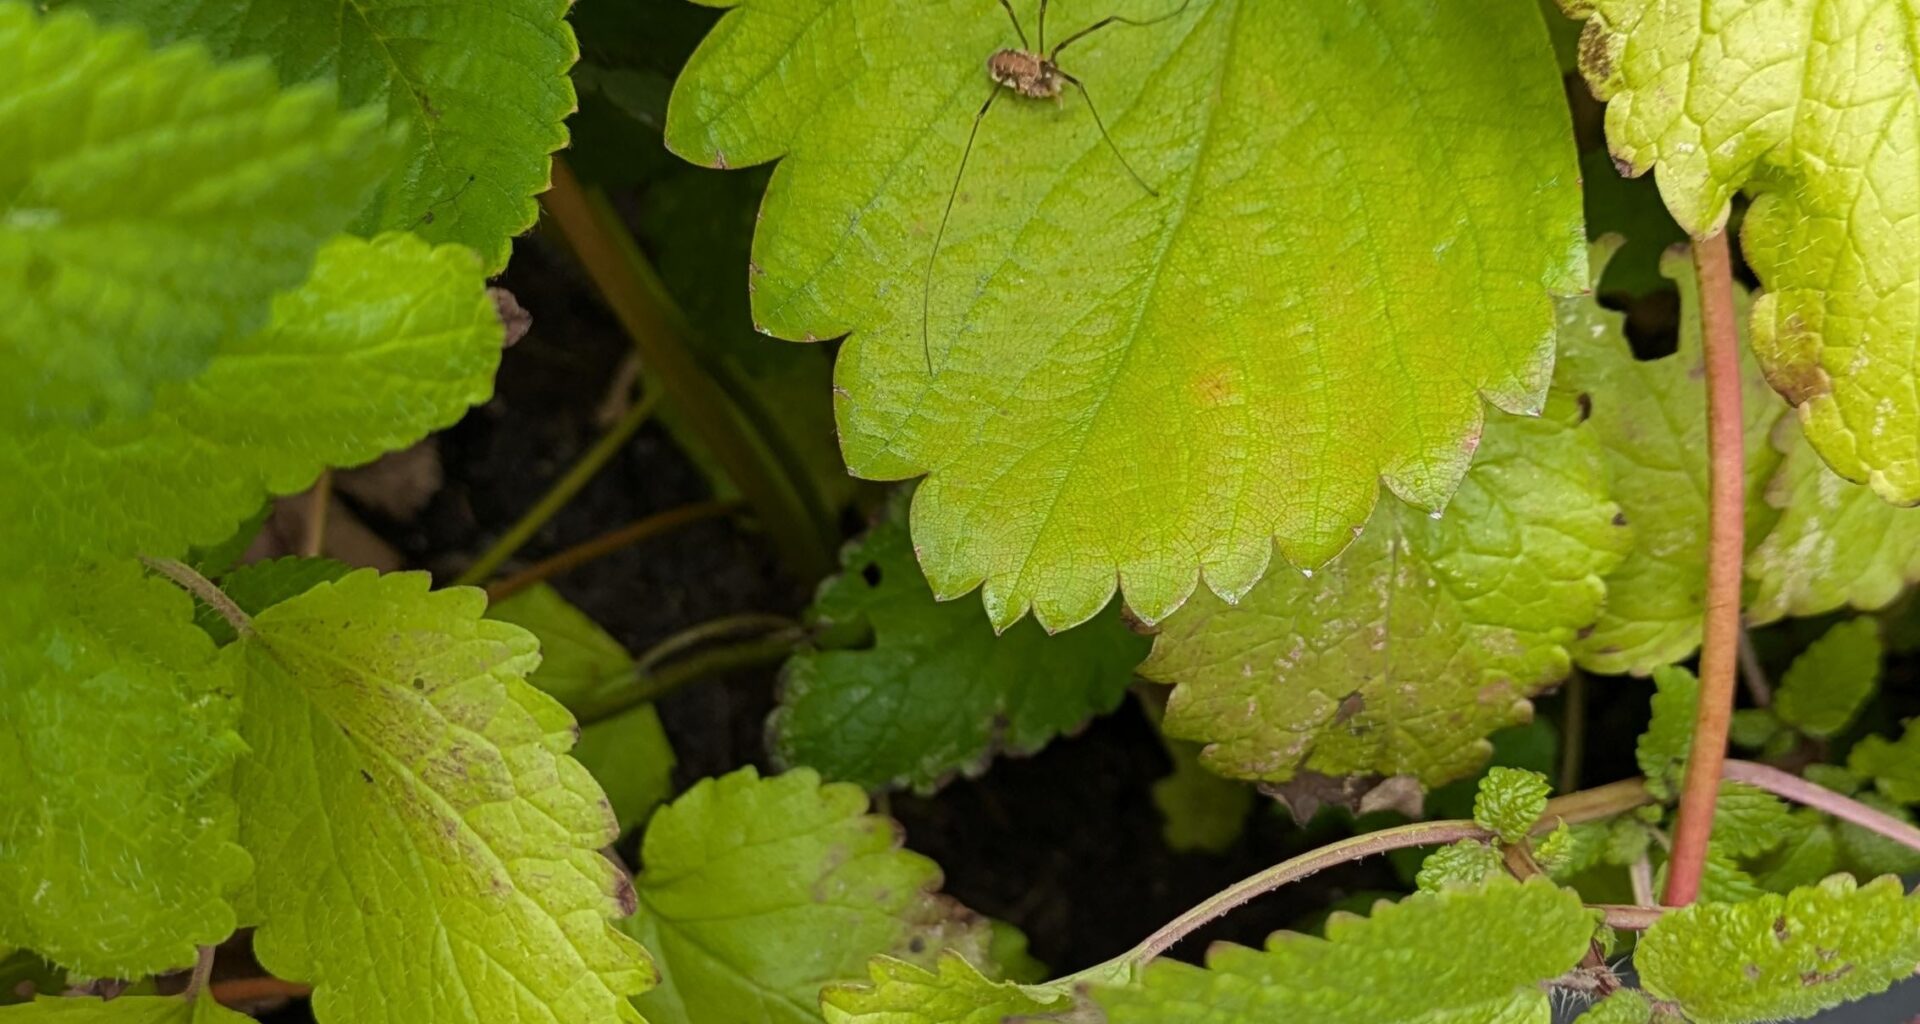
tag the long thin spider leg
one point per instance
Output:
(926, 287)
(1112, 20)
(1015, 18)
(1043, 24)
(1122, 157)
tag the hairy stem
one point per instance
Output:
(1628, 919)
(202, 970)
(607, 543)
(1574, 808)
(563, 490)
(313, 540)
(660, 330)
(242, 992)
(1820, 798)
(201, 587)
(1726, 495)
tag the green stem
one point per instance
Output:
(607, 543)
(203, 588)
(563, 490)
(646, 687)
(661, 332)
(710, 630)
(1573, 730)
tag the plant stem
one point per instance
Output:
(1574, 808)
(712, 629)
(1754, 673)
(1573, 730)
(246, 991)
(199, 586)
(645, 688)
(563, 490)
(1629, 919)
(1820, 798)
(202, 970)
(661, 331)
(586, 551)
(314, 540)
(1726, 496)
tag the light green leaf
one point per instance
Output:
(261, 585)
(1808, 852)
(1630, 210)
(153, 204)
(1867, 853)
(923, 689)
(1827, 684)
(1121, 390)
(1836, 544)
(755, 893)
(1465, 864)
(1893, 765)
(1627, 841)
(1662, 750)
(628, 754)
(1625, 1006)
(425, 850)
(1510, 801)
(1755, 728)
(1749, 821)
(117, 851)
(1569, 850)
(1794, 102)
(953, 992)
(388, 340)
(1651, 417)
(1781, 957)
(1198, 809)
(122, 1010)
(481, 89)
(1422, 638)
(1493, 946)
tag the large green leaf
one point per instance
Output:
(909, 690)
(1423, 637)
(1804, 103)
(1120, 389)
(151, 203)
(1782, 957)
(123, 1010)
(1493, 946)
(1836, 543)
(628, 754)
(1651, 417)
(482, 89)
(1829, 682)
(387, 340)
(117, 849)
(424, 849)
(755, 893)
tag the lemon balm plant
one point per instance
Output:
(1324, 444)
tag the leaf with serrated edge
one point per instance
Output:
(1893, 765)
(1782, 957)
(1749, 821)
(1836, 543)
(1827, 684)
(1118, 390)
(1510, 801)
(387, 340)
(1493, 945)
(1651, 417)
(954, 992)
(935, 693)
(1662, 750)
(1798, 103)
(117, 841)
(424, 849)
(122, 1010)
(628, 753)
(1626, 1006)
(482, 89)
(155, 203)
(1421, 639)
(259, 586)
(755, 893)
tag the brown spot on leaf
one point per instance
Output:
(1585, 402)
(513, 316)
(1596, 53)
(1780, 932)
(1810, 979)
(1352, 705)
(1619, 519)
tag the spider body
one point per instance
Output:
(1028, 74)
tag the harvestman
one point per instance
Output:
(1026, 73)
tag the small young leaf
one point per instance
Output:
(1510, 801)
(1780, 957)
(1627, 841)
(628, 754)
(1423, 637)
(261, 585)
(155, 203)
(1754, 728)
(1493, 945)
(1466, 864)
(1571, 849)
(1827, 684)
(1789, 101)
(755, 893)
(117, 843)
(121, 1010)
(932, 690)
(1749, 821)
(1663, 748)
(481, 89)
(1625, 1006)
(416, 826)
(387, 340)
(953, 992)
(1650, 416)
(1894, 766)
(1868, 854)
(1807, 853)
(1077, 436)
